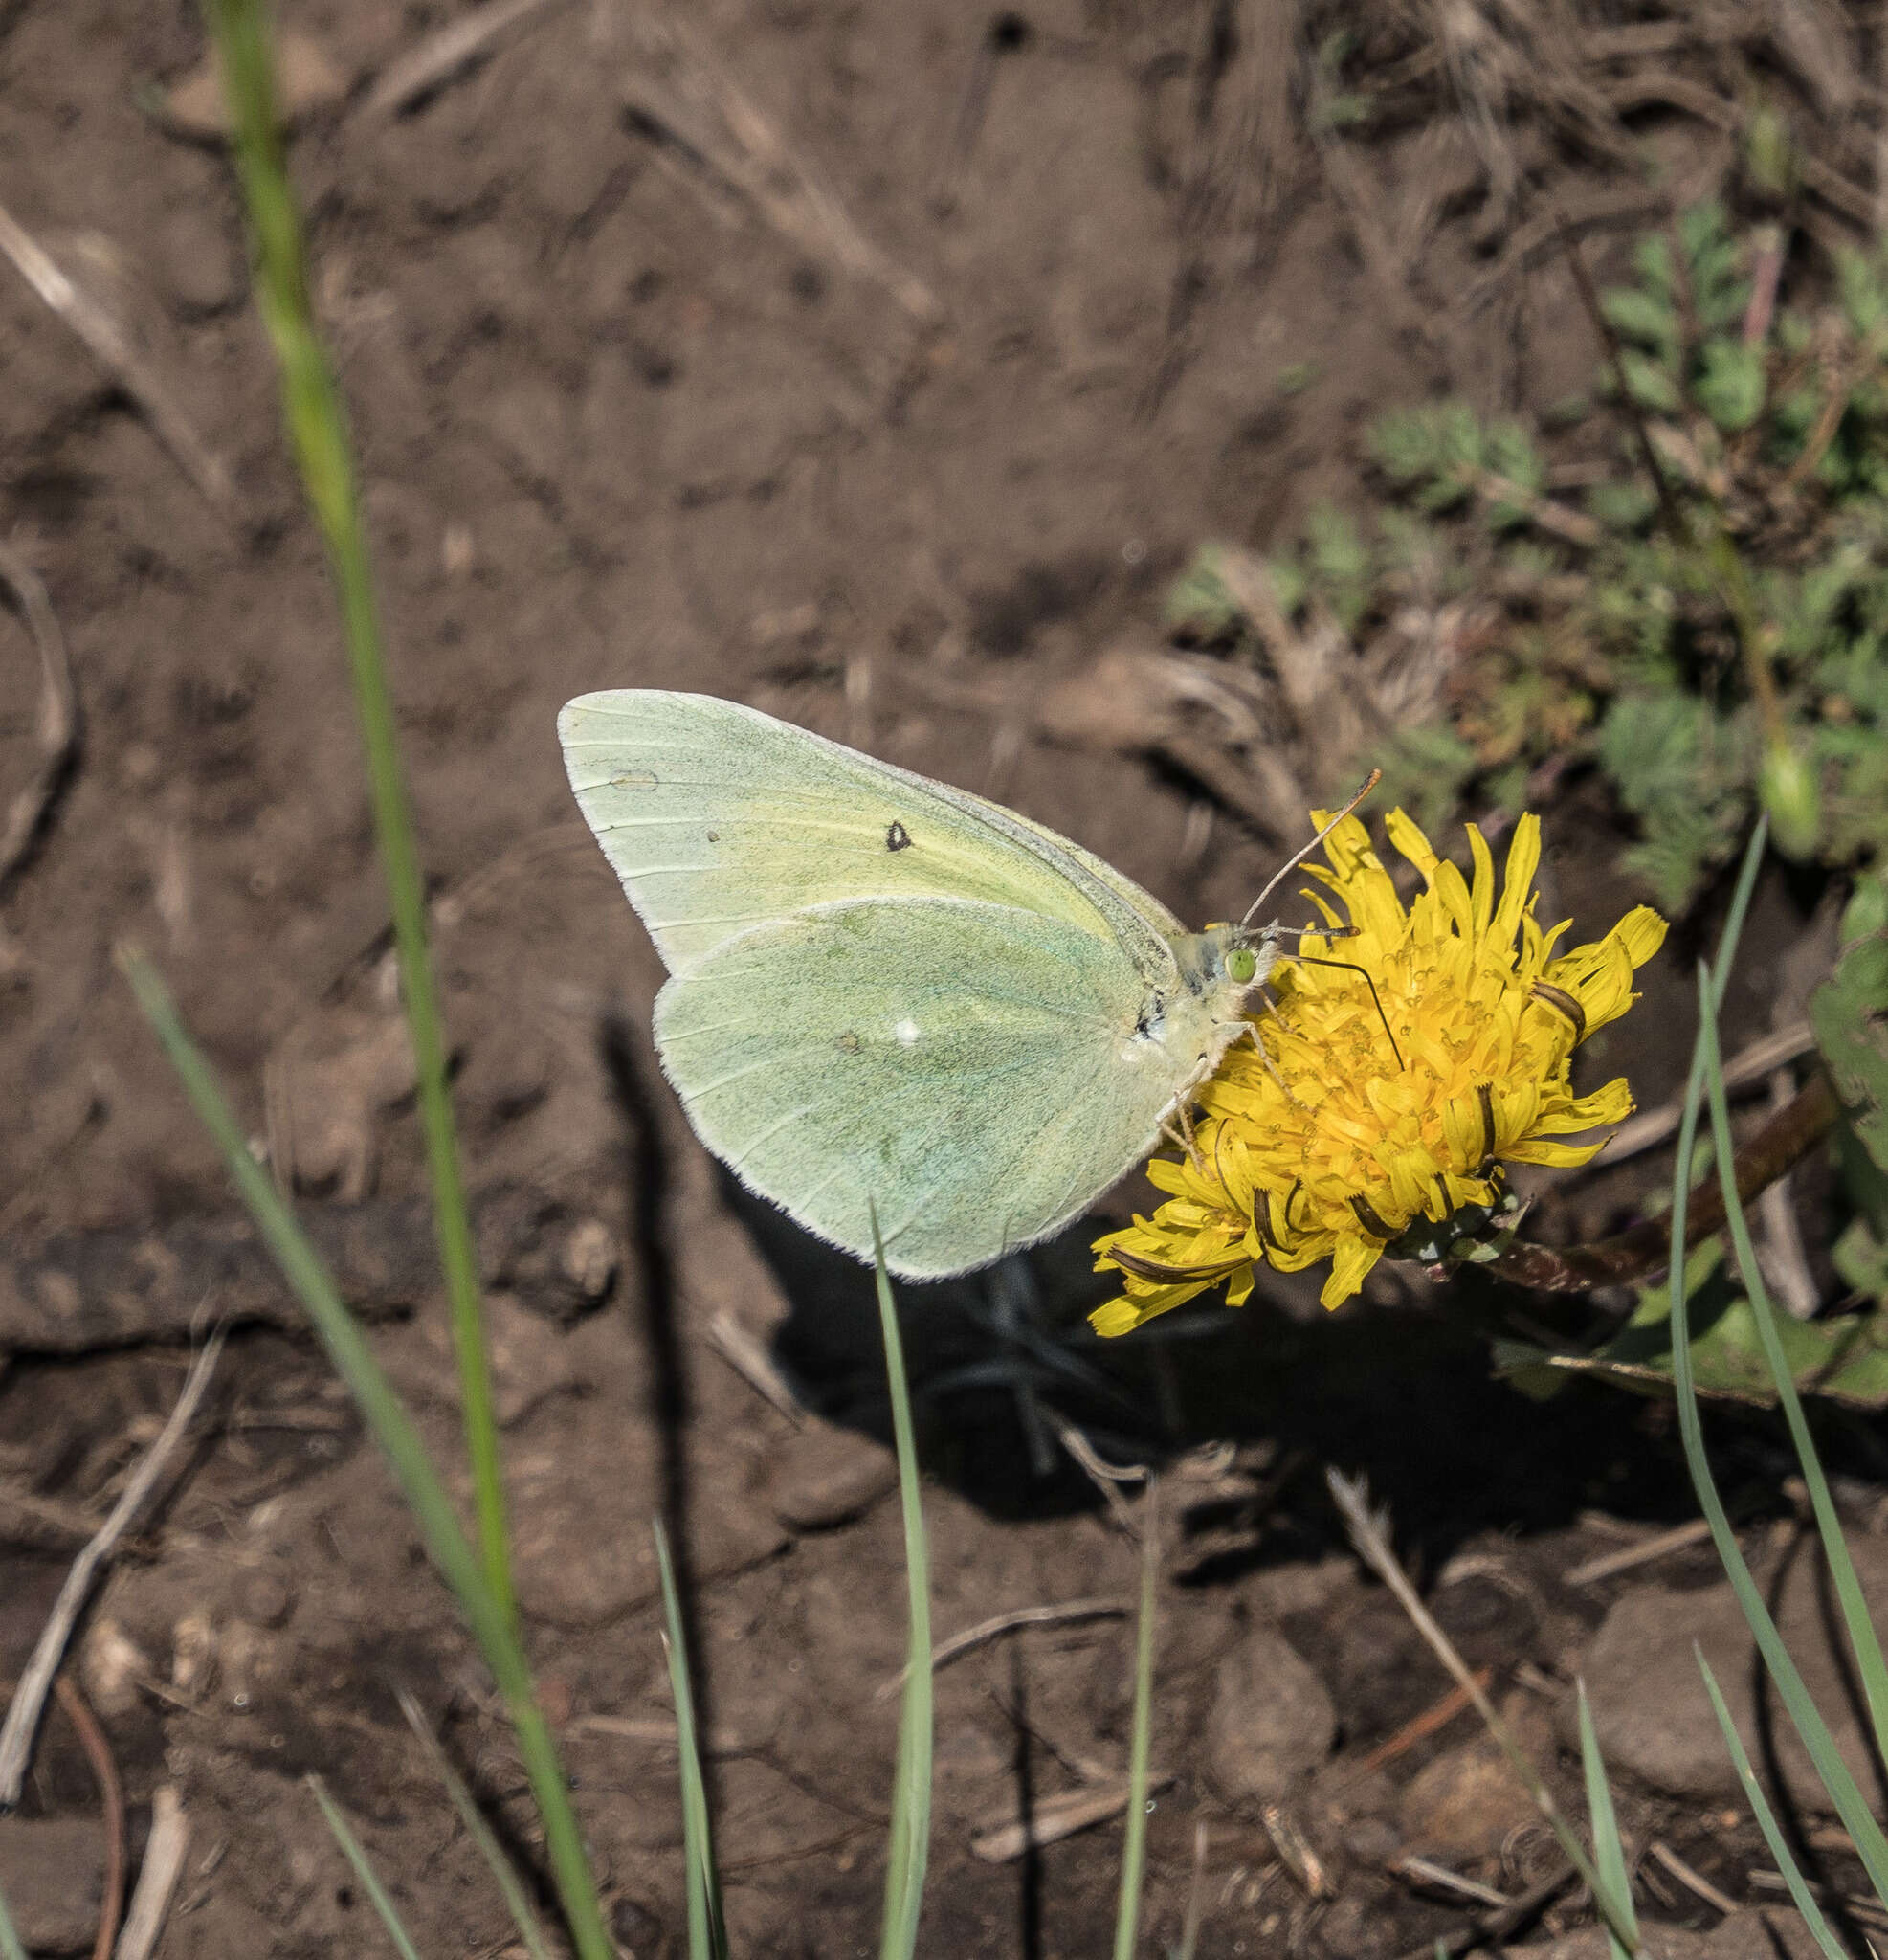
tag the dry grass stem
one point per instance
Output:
(22, 1721)
(1492, 1927)
(157, 1877)
(972, 1638)
(1058, 1818)
(1424, 1871)
(111, 1797)
(1744, 1070)
(57, 727)
(1437, 1715)
(1681, 1538)
(1780, 1252)
(1369, 1533)
(682, 95)
(1692, 1881)
(447, 53)
(750, 1359)
(1295, 1853)
(112, 347)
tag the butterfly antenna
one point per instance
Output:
(1350, 966)
(1291, 864)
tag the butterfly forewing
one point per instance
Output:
(974, 1070)
(719, 818)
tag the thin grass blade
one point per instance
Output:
(1133, 1838)
(1760, 1806)
(518, 1902)
(493, 1626)
(356, 1855)
(707, 1932)
(910, 1847)
(11, 1948)
(318, 433)
(1609, 1852)
(1855, 1619)
(1708, 1076)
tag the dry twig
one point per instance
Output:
(682, 96)
(1057, 1818)
(22, 1721)
(1437, 1715)
(447, 53)
(157, 1879)
(111, 1794)
(1493, 1927)
(1425, 1871)
(58, 729)
(1744, 1070)
(972, 1638)
(1681, 1538)
(1692, 1881)
(112, 347)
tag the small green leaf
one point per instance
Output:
(1867, 909)
(1731, 383)
(1647, 381)
(1850, 1015)
(1861, 1260)
(1200, 602)
(1637, 315)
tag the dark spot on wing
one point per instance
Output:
(898, 837)
(849, 1043)
(714, 836)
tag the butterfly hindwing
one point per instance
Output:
(973, 1070)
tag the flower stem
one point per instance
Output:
(1644, 1250)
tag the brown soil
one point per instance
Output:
(616, 430)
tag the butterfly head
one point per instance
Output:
(1227, 959)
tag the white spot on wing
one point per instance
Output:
(906, 1032)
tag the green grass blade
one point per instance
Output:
(9, 1940)
(707, 1932)
(318, 433)
(1133, 1838)
(1760, 1806)
(493, 1625)
(1862, 1640)
(1833, 1772)
(518, 1902)
(1741, 897)
(355, 1856)
(1609, 1852)
(910, 1848)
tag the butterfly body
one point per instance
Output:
(887, 992)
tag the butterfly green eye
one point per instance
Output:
(1241, 964)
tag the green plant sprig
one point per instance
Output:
(318, 433)
(1714, 637)
(493, 1625)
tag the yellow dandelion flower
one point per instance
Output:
(1333, 1142)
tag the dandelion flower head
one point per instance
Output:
(1331, 1143)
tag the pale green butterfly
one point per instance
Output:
(887, 992)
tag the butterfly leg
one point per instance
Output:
(1274, 1006)
(1271, 1067)
(1183, 1135)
